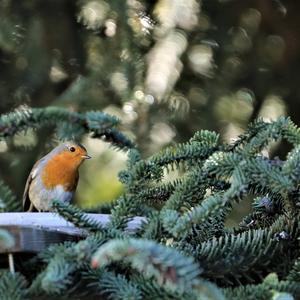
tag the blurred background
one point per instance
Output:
(166, 68)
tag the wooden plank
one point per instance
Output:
(34, 232)
(31, 239)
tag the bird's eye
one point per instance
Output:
(72, 149)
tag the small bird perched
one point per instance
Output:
(54, 177)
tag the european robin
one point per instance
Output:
(54, 177)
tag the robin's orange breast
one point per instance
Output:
(61, 170)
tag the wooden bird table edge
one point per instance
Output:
(34, 232)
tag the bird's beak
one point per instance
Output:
(86, 156)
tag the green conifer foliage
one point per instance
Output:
(183, 249)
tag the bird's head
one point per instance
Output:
(61, 167)
(71, 153)
(74, 151)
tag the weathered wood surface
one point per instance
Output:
(34, 232)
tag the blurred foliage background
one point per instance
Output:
(166, 68)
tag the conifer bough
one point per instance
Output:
(68, 124)
(184, 248)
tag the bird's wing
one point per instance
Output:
(27, 204)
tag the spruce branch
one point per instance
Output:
(205, 137)
(76, 216)
(249, 254)
(198, 148)
(166, 265)
(81, 220)
(260, 133)
(123, 212)
(192, 152)
(251, 131)
(24, 118)
(152, 290)
(188, 214)
(56, 278)
(294, 274)
(114, 286)
(221, 164)
(264, 173)
(182, 225)
(68, 124)
(116, 138)
(158, 194)
(12, 286)
(119, 288)
(134, 156)
(8, 201)
(59, 272)
(291, 166)
(192, 189)
(270, 288)
(291, 132)
(273, 131)
(152, 228)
